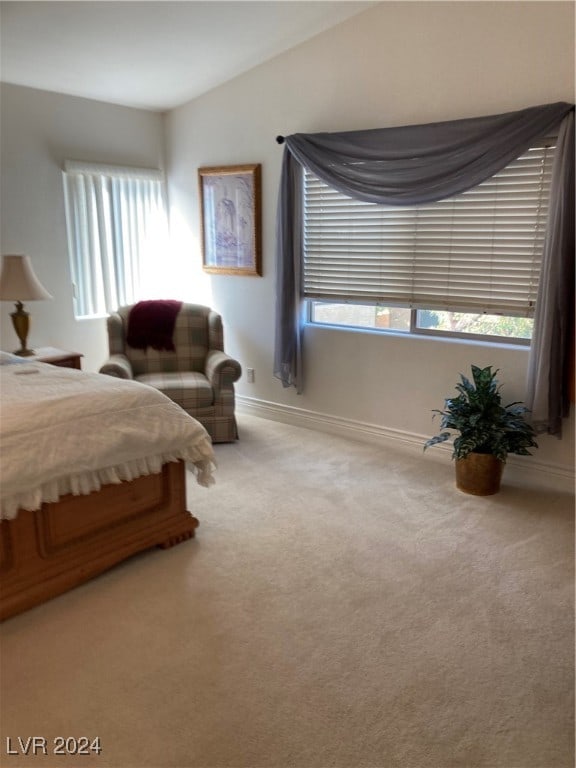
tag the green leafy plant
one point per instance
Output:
(484, 424)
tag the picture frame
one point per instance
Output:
(231, 224)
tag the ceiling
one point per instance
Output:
(153, 55)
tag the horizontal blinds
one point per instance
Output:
(479, 251)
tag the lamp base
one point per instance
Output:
(21, 323)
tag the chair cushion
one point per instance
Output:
(189, 389)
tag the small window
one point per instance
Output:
(117, 235)
(467, 265)
(423, 321)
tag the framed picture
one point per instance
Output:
(230, 209)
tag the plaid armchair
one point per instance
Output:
(198, 375)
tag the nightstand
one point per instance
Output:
(56, 357)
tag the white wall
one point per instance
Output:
(39, 131)
(396, 64)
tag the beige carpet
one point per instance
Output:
(341, 606)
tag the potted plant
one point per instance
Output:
(489, 431)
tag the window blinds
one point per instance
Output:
(117, 234)
(479, 251)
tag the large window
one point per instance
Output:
(117, 235)
(467, 265)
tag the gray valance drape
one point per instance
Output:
(408, 166)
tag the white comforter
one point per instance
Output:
(67, 431)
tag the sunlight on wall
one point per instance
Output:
(189, 281)
(156, 276)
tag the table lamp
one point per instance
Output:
(18, 282)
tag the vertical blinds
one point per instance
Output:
(479, 251)
(117, 233)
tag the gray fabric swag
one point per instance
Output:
(418, 164)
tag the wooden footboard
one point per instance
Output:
(61, 545)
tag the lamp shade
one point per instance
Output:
(18, 281)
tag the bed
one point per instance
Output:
(92, 471)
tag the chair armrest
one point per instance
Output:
(221, 370)
(119, 366)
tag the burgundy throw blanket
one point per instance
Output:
(151, 324)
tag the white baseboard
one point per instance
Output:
(527, 470)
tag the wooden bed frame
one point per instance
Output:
(61, 545)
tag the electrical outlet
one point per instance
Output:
(250, 375)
